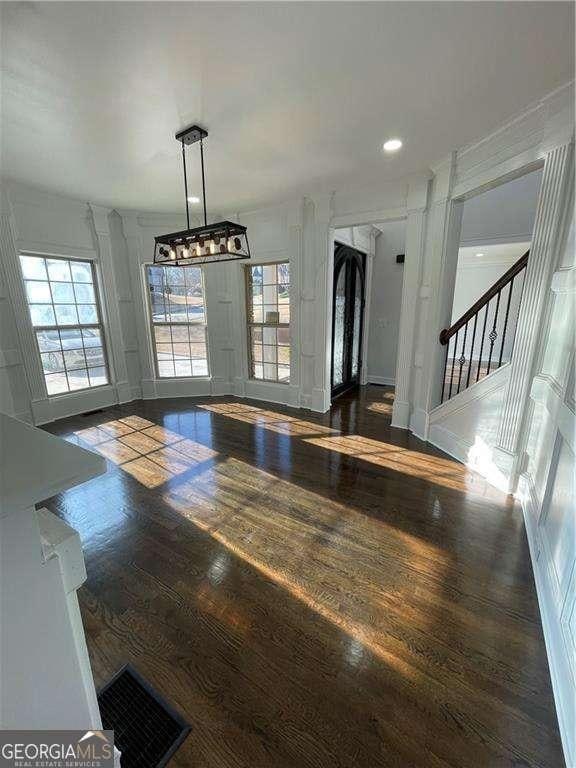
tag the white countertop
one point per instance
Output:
(35, 465)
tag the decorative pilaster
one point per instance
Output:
(133, 237)
(367, 305)
(435, 292)
(555, 194)
(9, 253)
(321, 262)
(111, 299)
(414, 250)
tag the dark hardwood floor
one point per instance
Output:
(311, 590)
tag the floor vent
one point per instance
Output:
(147, 731)
(91, 413)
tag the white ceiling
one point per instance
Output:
(297, 97)
(504, 254)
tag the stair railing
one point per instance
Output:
(474, 357)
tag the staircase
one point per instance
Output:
(482, 340)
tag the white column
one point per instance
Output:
(555, 195)
(435, 294)
(369, 270)
(111, 305)
(414, 252)
(319, 302)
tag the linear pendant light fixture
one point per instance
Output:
(222, 241)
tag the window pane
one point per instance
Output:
(62, 293)
(181, 350)
(33, 267)
(283, 273)
(183, 367)
(92, 337)
(95, 357)
(180, 333)
(197, 334)
(38, 292)
(97, 376)
(84, 293)
(58, 269)
(166, 368)
(87, 313)
(48, 341)
(200, 367)
(52, 362)
(164, 351)
(59, 306)
(71, 339)
(42, 314)
(268, 298)
(74, 358)
(162, 333)
(66, 314)
(81, 272)
(269, 354)
(78, 379)
(198, 350)
(56, 383)
(179, 320)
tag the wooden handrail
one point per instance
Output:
(515, 269)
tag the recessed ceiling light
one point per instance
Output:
(479, 255)
(392, 145)
(193, 199)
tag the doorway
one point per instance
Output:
(347, 318)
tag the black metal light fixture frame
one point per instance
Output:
(219, 242)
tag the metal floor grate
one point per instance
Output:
(147, 731)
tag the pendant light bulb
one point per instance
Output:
(212, 246)
(185, 252)
(172, 253)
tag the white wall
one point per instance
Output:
(504, 214)
(386, 299)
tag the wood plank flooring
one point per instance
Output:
(311, 591)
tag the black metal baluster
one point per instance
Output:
(493, 335)
(462, 358)
(472, 350)
(505, 322)
(482, 342)
(444, 374)
(453, 364)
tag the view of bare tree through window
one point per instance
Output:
(178, 315)
(268, 287)
(64, 310)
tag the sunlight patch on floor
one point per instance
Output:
(279, 529)
(148, 452)
(276, 422)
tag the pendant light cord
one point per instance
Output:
(185, 186)
(203, 182)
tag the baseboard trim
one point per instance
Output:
(387, 381)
